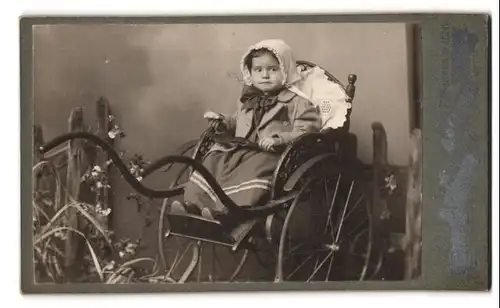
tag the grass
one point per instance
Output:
(102, 260)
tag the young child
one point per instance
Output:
(268, 114)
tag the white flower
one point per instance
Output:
(131, 248)
(109, 266)
(114, 132)
(106, 212)
(390, 182)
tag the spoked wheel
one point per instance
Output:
(190, 260)
(327, 234)
(167, 246)
(181, 256)
(207, 263)
(201, 261)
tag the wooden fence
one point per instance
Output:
(71, 162)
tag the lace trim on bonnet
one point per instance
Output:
(270, 45)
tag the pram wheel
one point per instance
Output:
(185, 259)
(326, 234)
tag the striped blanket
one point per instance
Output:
(243, 173)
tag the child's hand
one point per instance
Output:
(215, 120)
(210, 115)
(268, 143)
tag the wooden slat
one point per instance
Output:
(413, 238)
(379, 167)
(103, 126)
(37, 142)
(379, 203)
(76, 168)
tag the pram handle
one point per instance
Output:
(132, 181)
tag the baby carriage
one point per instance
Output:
(318, 224)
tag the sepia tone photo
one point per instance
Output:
(228, 152)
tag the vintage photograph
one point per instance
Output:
(226, 152)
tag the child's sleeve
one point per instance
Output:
(306, 119)
(229, 121)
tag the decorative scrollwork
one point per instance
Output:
(206, 141)
(303, 149)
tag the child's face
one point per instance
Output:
(265, 73)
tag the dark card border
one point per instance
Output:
(438, 272)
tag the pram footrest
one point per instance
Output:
(206, 230)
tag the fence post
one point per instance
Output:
(37, 142)
(105, 198)
(413, 237)
(75, 170)
(379, 201)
